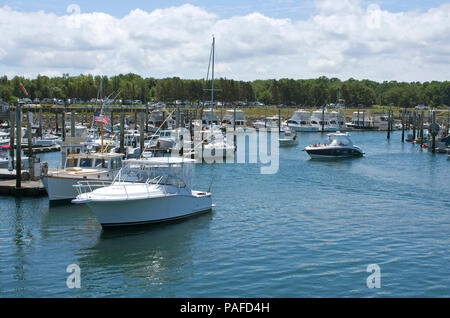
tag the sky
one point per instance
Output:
(378, 40)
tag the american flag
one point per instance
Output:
(98, 118)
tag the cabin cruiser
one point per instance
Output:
(210, 118)
(82, 166)
(146, 191)
(301, 121)
(324, 121)
(381, 122)
(360, 121)
(240, 124)
(288, 140)
(339, 145)
(268, 123)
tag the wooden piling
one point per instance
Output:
(30, 146)
(72, 123)
(122, 131)
(19, 146)
(12, 121)
(403, 125)
(389, 125)
(142, 135)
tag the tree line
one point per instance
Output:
(311, 92)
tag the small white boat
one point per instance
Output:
(146, 191)
(339, 145)
(288, 140)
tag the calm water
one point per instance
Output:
(310, 230)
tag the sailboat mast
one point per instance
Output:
(212, 80)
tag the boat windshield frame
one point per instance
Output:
(156, 171)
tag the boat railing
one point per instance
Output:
(86, 186)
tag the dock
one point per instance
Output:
(29, 188)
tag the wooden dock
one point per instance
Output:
(29, 188)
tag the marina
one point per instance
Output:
(309, 157)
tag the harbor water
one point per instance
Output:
(309, 230)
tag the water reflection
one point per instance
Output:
(151, 254)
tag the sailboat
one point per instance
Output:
(214, 143)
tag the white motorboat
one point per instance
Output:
(361, 121)
(288, 139)
(5, 159)
(240, 124)
(301, 121)
(269, 123)
(146, 191)
(339, 145)
(82, 166)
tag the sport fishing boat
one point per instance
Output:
(339, 145)
(301, 121)
(95, 166)
(146, 191)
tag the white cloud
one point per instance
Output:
(343, 39)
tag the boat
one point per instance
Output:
(360, 121)
(95, 166)
(339, 145)
(269, 123)
(288, 140)
(301, 122)
(240, 124)
(146, 191)
(5, 159)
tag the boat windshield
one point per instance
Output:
(171, 174)
(339, 141)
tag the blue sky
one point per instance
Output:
(292, 9)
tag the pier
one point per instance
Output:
(28, 188)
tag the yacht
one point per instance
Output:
(267, 123)
(210, 144)
(360, 120)
(301, 121)
(80, 166)
(288, 140)
(381, 122)
(209, 118)
(240, 124)
(339, 145)
(146, 191)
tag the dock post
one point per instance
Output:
(403, 125)
(40, 123)
(30, 146)
(389, 125)
(414, 125)
(146, 118)
(19, 146)
(433, 133)
(12, 121)
(421, 127)
(142, 136)
(122, 131)
(72, 123)
(63, 126)
(279, 119)
(56, 122)
(234, 126)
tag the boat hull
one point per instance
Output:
(331, 152)
(149, 210)
(62, 188)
